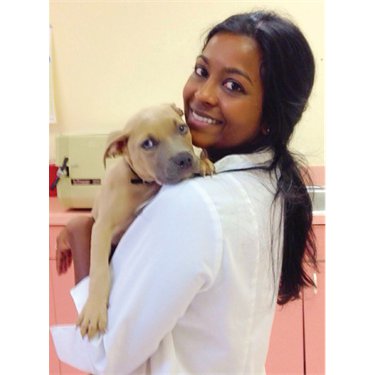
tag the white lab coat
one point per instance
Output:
(193, 282)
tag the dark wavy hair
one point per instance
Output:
(287, 72)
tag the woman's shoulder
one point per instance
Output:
(235, 185)
(210, 193)
(182, 215)
(190, 202)
(189, 194)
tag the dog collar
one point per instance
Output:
(136, 179)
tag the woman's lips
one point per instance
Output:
(200, 119)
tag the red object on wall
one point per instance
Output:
(52, 175)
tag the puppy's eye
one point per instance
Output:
(149, 144)
(183, 128)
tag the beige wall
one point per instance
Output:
(111, 58)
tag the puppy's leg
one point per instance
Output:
(113, 211)
(110, 209)
(93, 318)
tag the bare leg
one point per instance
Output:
(79, 234)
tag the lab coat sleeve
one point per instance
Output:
(69, 342)
(71, 348)
(171, 253)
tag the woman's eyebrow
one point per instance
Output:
(229, 70)
(204, 58)
(240, 72)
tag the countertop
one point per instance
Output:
(60, 215)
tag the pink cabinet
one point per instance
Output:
(54, 365)
(62, 309)
(297, 344)
(65, 309)
(285, 354)
(314, 313)
(315, 325)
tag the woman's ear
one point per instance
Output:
(116, 144)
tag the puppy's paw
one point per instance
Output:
(206, 167)
(93, 319)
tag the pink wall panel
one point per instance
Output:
(285, 355)
(54, 365)
(314, 308)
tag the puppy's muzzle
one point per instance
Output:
(179, 167)
(183, 160)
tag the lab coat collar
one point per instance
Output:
(244, 161)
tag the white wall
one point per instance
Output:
(111, 58)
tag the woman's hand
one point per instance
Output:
(63, 252)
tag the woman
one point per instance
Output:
(197, 276)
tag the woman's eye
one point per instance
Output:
(183, 128)
(200, 71)
(234, 86)
(148, 144)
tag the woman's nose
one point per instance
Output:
(206, 93)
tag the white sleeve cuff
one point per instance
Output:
(78, 352)
(69, 342)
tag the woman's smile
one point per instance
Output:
(200, 119)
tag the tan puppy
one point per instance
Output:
(156, 146)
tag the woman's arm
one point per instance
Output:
(170, 253)
(73, 243)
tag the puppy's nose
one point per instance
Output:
(183, 160)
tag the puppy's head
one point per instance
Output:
(157, 144)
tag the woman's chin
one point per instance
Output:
(201, 141)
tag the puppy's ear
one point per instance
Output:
(116, 144)
(179, 111)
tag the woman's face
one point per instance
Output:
(223, 96)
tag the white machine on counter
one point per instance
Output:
(80, 157)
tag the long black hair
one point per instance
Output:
(287, 72)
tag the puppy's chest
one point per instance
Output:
(126, 199)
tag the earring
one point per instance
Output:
(266, 131)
